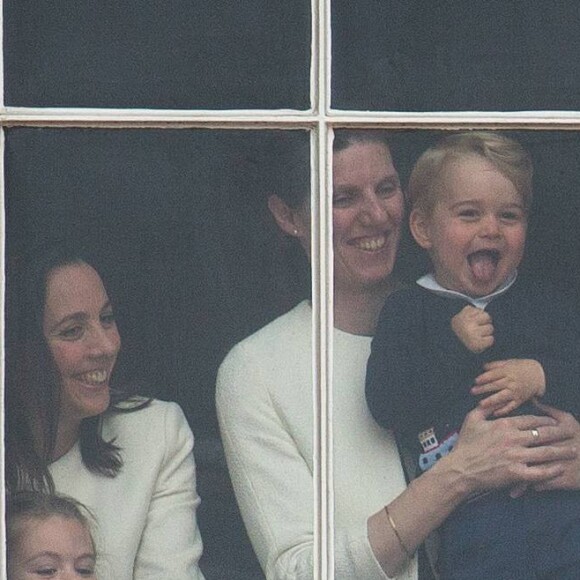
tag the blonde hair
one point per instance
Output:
(505, 154)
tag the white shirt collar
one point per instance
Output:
(428, 281)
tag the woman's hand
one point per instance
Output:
(511, 452)
(515, 450)
(570, 476)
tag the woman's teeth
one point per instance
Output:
(370, 243)
(94, 377)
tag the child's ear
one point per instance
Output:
(419, 226)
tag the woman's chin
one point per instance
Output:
(88, 401)
(364, 270)
(365, 282)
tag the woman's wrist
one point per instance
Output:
(447, 482)
(416, 513)
(450, 474)
(395, 530)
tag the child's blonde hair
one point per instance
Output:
(506, 154)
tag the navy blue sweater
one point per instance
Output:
(419, 373)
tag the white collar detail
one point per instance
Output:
(428, 282)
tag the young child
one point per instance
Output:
(474, 328)
(48, 536)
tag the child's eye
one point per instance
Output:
(86, 571)
(511, 216)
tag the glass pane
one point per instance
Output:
(456, 56)
(371, 403)
(174, 55)
(177, 221)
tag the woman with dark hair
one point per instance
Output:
(68, 429)
(265, 408)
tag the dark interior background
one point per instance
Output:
(404, 55)
(194, 263)
(174, 54)
(466, 55)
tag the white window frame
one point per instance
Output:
(321, 119)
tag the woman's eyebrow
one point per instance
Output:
(77, 317)
(393, 178)
(74, 317)
(344, 189)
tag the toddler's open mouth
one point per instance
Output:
(483, 264)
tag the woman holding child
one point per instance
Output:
(265, 406)
(69, 430)
(476, 327)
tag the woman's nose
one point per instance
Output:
(104, 341)
(374, 210)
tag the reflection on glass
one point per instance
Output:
(488, 56)
(171, 55)
(179, 224)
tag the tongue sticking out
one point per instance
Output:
(483, 265)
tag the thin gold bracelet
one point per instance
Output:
(391, 521)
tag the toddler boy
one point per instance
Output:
(474, 328)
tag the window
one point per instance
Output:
(143, 129)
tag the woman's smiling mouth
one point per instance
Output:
(370, 244)
(96, 378)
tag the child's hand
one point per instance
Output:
(474, 329)
(512, 382)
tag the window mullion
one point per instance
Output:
(322, 293)
(2, 366)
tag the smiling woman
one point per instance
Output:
(368, 211)
(265, 392)
(71, 429)
(80, 330)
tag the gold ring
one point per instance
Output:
(535, 434)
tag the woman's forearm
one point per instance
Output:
(488, 455)
(419, 510)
